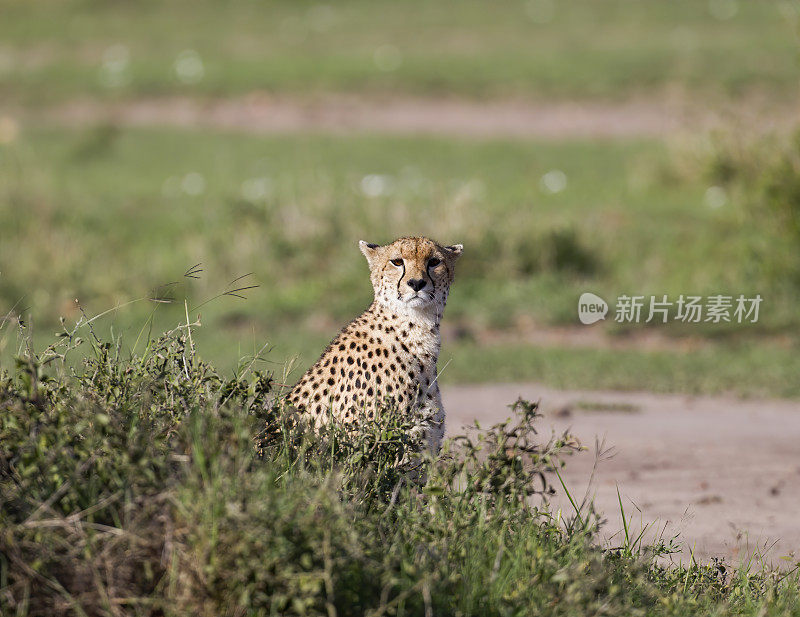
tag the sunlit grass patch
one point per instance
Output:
(56, 51)
(753, 369)
(109, 216)
(147, 204)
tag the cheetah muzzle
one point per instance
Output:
(387, 356)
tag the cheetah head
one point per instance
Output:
(411, 273)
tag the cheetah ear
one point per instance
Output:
(454, 250)
(369, 249)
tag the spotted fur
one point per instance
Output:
(388, 354)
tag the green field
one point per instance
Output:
(114, 217)
(146, 467)
(110, 216)
(54, 50)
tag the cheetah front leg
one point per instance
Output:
(430, 429)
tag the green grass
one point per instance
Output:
(104, 216)
(54, 50)
(750, 370)
(153, 485)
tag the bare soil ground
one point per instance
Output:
(722, 472)
(339, 114)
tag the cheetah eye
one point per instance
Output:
(397, 262)
(433, 262)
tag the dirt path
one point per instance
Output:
(338, 114)
(724, 472)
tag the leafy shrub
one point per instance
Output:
(153, 485)
(557, 250)
(764, 175)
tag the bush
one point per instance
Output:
(764, 174)
(153, 485)
(558, 250)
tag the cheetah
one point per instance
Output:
(387, 355)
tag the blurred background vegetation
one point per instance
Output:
(110, 208)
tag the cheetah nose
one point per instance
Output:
(416, 284)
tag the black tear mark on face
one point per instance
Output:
(430, 276)
(400, 293)
(372, 245)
